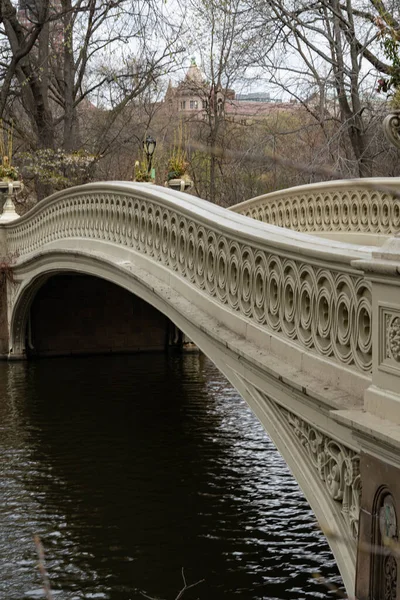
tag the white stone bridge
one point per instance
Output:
(300, 312)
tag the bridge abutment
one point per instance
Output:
(377, 432)
(378, 561)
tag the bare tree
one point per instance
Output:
(64, 55)
(224, 35)
(326, 54)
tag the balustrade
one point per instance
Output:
(313, 298)
(354, 206)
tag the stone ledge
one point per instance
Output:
(377, 436)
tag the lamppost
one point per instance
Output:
(149, 145)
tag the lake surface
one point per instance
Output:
(130, 468)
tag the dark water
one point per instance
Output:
(130, 468)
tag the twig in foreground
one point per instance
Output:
(42, 568)
(181, 592)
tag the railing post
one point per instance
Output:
(391, 127)
(9, 189)
(382, 398)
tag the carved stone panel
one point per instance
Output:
(390, 578)
(389, 339)
(337, 466)
(393, 336)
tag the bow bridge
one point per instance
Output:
(298, 306)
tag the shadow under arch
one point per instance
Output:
(203, 331)
(76, 314)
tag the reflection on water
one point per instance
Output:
(130, 468)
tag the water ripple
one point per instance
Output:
(130, 468)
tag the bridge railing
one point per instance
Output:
(301, 289)
(353, 206)
(334, 303)
(363, 206)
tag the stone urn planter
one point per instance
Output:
(391, 127)
(8, 189)
(180, 185)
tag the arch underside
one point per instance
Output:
(320, 452)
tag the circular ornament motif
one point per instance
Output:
(388, 519)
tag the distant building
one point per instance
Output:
(193, 97)
(255, 97)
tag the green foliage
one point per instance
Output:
(177, 163)
(7, 171)
(395, 100)
(58, 168)
(141, 173)
(390, 42)
(177, 166)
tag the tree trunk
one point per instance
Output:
(70, 138)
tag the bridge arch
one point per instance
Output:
(56, 263)
(74, 313)
(322, 463)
